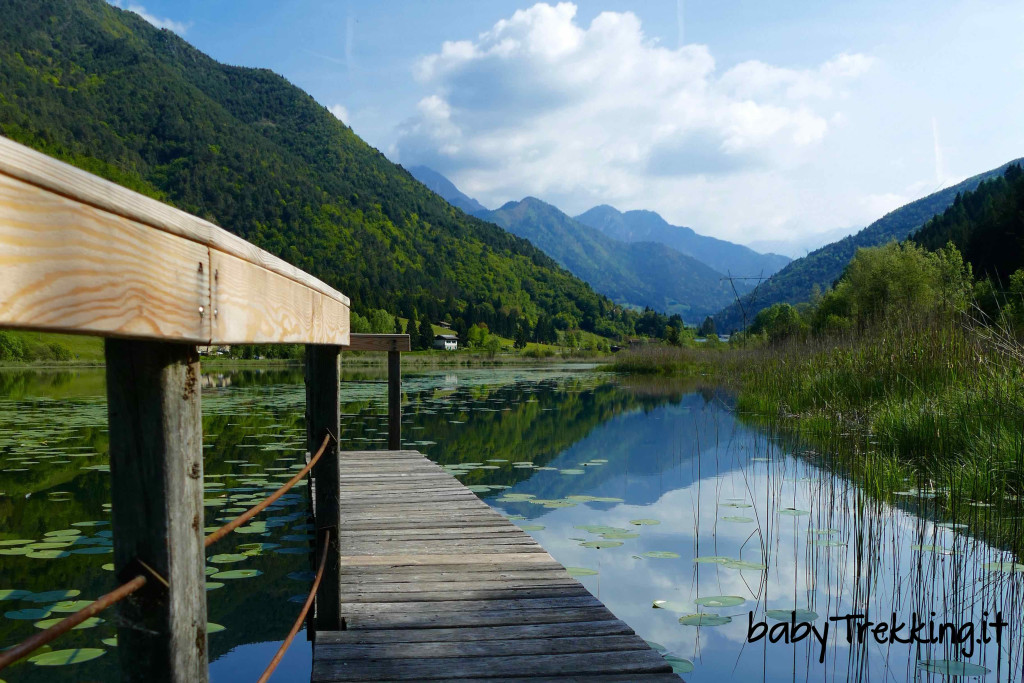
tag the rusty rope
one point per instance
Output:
(256, 509)
(302, 615)
(27, 646)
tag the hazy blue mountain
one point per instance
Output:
(636, 273)
(647, 226)
(446, 189)
(795, 283)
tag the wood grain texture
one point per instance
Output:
(379, 342)
(69, 267)
(251, 304)
(436, 585)
(156, 475)
(35, 168)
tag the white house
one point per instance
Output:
(448, 342)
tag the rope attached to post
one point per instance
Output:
(302, 615)
(27, 646)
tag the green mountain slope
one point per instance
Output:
(648, 226)
(795, 283)
(639, 273)
(101, 88)
(986, 225)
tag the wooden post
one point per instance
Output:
(323, 415)
(156, 481)
(394, 400)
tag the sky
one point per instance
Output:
(781, 125)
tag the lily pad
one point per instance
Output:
(788, 614)
(112, 641)
(227, 558)
(743, 564)
(793, 512)
(679, 665)
(64, 657)
(951, 667)
(720, 601)
(738, 519)
(644, 522)
(712, 559)
(580, 571)
(620, 534)
(702, 619)
(53, 596)
(601, 544)
(88, 623)
(13, 594)
(30, 614)
(69, 606)
(532, 527)
(1005, 567)
(214, 628)
(661, 554)
(237, 574)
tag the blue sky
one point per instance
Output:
(777, 124)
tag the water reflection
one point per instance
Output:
(652, 490)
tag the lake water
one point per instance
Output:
(654, 493)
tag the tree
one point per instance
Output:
(398, 326)
(520, 340)
(492, 346)
(410, 329)
(673, 335)
(426, 333)
(707, 328)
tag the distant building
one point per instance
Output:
(445, 325)
(448, 342)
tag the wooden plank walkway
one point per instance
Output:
(435, 585)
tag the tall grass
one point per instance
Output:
(932, 405)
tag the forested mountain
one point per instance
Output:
(795, 283)
(640, 273)
(648, 226)
(446, 189)
(100, 88)
(986, 225)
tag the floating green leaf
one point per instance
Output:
(214, 628)
(1005, 567)
(672, 605)
(680, 665)
(661, 554)
(64, 657)
(644, 522)
(237, 574)
(951, 667)
(788, 614)
(793, 512)
(13, 594)
(720, 601)
(702, 619)
(88, 623)
(53, 596)
(601, 544)
(226, 558)
(580, 571)
(738, 519)
(68, 606)
(532, 527)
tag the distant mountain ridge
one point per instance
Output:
(637, 273)
(795, 283)
(648, 226)
(446, 189)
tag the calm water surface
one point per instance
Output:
(654, 493)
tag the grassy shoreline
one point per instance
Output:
(932, 410)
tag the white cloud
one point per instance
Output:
(177, 26)
(340, 113)
(579, 115)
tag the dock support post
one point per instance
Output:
(394, 401)
(323, 415)
(156, 482)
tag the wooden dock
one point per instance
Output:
(435, 585)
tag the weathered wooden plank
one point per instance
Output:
(379, 342)
(555, 591)
(251, 304)
(383, 590)
(480, 648)
(482, 617)
(590, 663)
(561, 604)
(590, 678)
(55, 177)
(73, 268)
(499, 559)
(395, 398)
(156, 475)
(576, 629)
